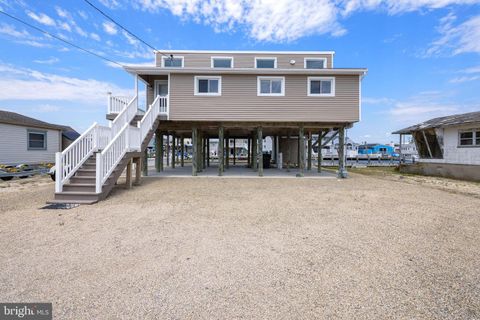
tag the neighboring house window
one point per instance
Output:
(175, 62)
(266, 63)
(37, 140)
(271, 86)
(208, 85)
(469, 137)
(222, 62)
(321, 86)
(315, 63)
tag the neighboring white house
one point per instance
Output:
(31, 141)
(448, 146)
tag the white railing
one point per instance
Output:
(69, 160)
(116, 104)
(125, 116)
(109, 158)
(164, 105)
(128, 139)
(103, 136)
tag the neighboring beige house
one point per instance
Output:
(220, 95)
(447, 146)
(31, 141)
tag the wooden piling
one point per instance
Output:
(194, 150)
(182, 150)
(319, 146)
(342, 172)
(301, 151)
(260, 151)
(158, 150)
(220, 151)
(309, 157)
(173, 151)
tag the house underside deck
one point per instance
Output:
(237, 148)
(239, 170)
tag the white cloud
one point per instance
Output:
(10, 30)
(283, 20)
(111, 4)
(131, 40)
(110, 28)
(42, 18)
(464, 79)
(45, 86)
(469, 74)
(456, 39)
(95, 36)
(46, 108)
(65, 26)
(63, 13)
(22, 36)
(83, 14)
(52, 60)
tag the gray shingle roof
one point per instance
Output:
(456, 119)
(17, 119)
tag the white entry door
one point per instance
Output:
(161, 88)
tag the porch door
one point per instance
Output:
(161, 88)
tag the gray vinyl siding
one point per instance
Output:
(14, 148)
(239, 101)
(245, 60)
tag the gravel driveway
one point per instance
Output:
(363, 248)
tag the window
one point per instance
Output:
(175, 62)
(271, 86)
(469, 138)
(262, 63)
(208, 86)
(37, 140)
(321, 86)
(315, 63)
(222, 62)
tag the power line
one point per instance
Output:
(58, 38)
(123, 28)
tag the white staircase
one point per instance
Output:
(87, 170)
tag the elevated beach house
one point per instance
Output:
(203, 95)
(447, 146)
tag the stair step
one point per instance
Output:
(69, 196)
(79, 187)
(85, 172)
(72, 201)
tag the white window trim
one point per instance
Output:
(474, 138)
(219, 57)
(281, 94)
(266, 58)
(310, 79)
(315, 59)
(210, 94)
(175, 57)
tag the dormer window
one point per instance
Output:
(265, 63)
(222, 62)
(172, 62)
(315, 63)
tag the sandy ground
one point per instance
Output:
(210, 248)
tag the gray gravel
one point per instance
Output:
(362, 248)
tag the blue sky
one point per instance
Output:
(423, 56)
